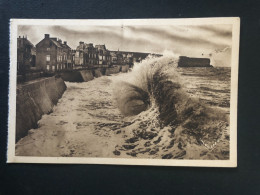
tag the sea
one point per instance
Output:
(154, 111)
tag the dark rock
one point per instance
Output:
(147, 144)
(158, 140)
(129, 147)
(132, 140)
(180, 155)
(132, 153)
(171, 144)
(116, 152)
(167, 156)
(147, 135)
(180, 145)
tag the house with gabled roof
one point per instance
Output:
(50, 54)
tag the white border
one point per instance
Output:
(232, 162)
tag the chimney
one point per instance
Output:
(46, 36)
(81, 42)
(60, 41)
(65, 42)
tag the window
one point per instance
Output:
(48, 58)
(53, 68)
(48, 49)
(48, 67)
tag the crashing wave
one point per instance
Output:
(167, 118)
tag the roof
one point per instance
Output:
(56, 42)
(100, 47)
(66, 46)
(26, 41)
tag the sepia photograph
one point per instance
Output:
(157, 92)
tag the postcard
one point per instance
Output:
(159, 92)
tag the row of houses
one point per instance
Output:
(52, 55)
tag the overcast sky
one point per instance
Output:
(212, 41)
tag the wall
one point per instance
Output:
(86, 75)
(73, 76)
(35, 99)
(97, 73)
(124, 68)
(112, 70)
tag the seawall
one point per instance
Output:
(124, 68)
(87, 75)
(112, 70)
(35, 99)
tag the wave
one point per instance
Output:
(152, 96)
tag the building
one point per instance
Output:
(113, 57)
(67, 56)
(73, 52)
(90, 55)
(104, 57)
(25, 55)
(120, 58)
(79, 55)
(50, 54)
(86, 55)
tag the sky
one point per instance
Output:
(212, 41)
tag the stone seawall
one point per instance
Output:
(35, 99)
(87, 75)
(98, 72)
(124, 68)
(112, 70)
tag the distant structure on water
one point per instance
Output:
(193, 62)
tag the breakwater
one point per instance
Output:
(87, 75)
(34, 99)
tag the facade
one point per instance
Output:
(113, 57)
(73, 52)
(54, 55)
(79, 59)
(90, 55)
(120, 58)
(104, 57)
(67, 56)
(25, 55)
(50, 54)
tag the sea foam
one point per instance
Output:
(153, 95)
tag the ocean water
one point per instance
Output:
(156, 110)
(210, 85)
